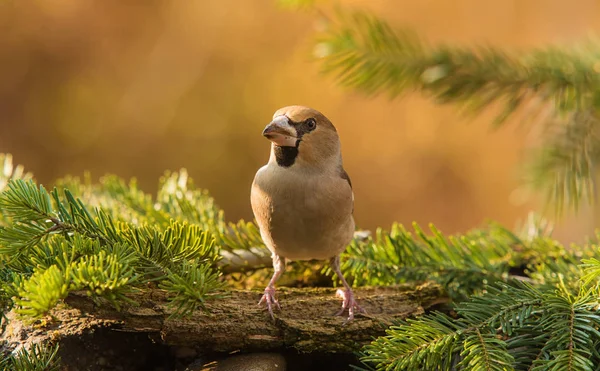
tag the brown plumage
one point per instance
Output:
(302, 199)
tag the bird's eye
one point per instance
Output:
(311, 123)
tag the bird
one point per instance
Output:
(302, 199)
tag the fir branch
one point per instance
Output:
(573, 324)
(433, 342)
(103, 275)
(243, 236)
(38, 358)
(178, 240)
(462, 264)
(24, 201)
(428, 343)
(525, 345)
(161, 251)
(502, 307)
(519, 326)
(35, 217)
(58, 251)
(485, 351)
(565, 164)
(558, 85)
(591, 273)
(564, 269)
(41, 292)
(177, 199)
(90, 250)
(364, 52)
(190, 286)
(32, 214)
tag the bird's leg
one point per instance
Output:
(347, 295)
(269, 295)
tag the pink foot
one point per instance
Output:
(269, 298)
(348, 302)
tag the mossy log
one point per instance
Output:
(305, 322)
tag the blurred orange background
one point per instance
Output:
(138, 87)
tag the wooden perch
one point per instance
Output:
(238, 323)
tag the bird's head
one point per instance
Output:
(303, 136)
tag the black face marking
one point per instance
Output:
(286, 156)
(304, 127)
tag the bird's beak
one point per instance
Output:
(280, 132)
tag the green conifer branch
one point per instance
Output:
(364, 52)
(103, 275)
(565, 164)
(177, 199)
(425, 344)
(525, 345)
(518, 326)
(190, 286)
(572, 323)
(555, 87)
(41, 292)
(73, 249)
(591, 272)
(565, 329)
(463, 264)
(485, 351)
(38, 358)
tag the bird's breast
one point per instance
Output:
(303, 216)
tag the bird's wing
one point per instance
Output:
(345, 176)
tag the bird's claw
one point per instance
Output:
(348, 302)
(269, 298)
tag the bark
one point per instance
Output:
(305, 322)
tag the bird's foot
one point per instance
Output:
(269, 298)
(348, 302)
